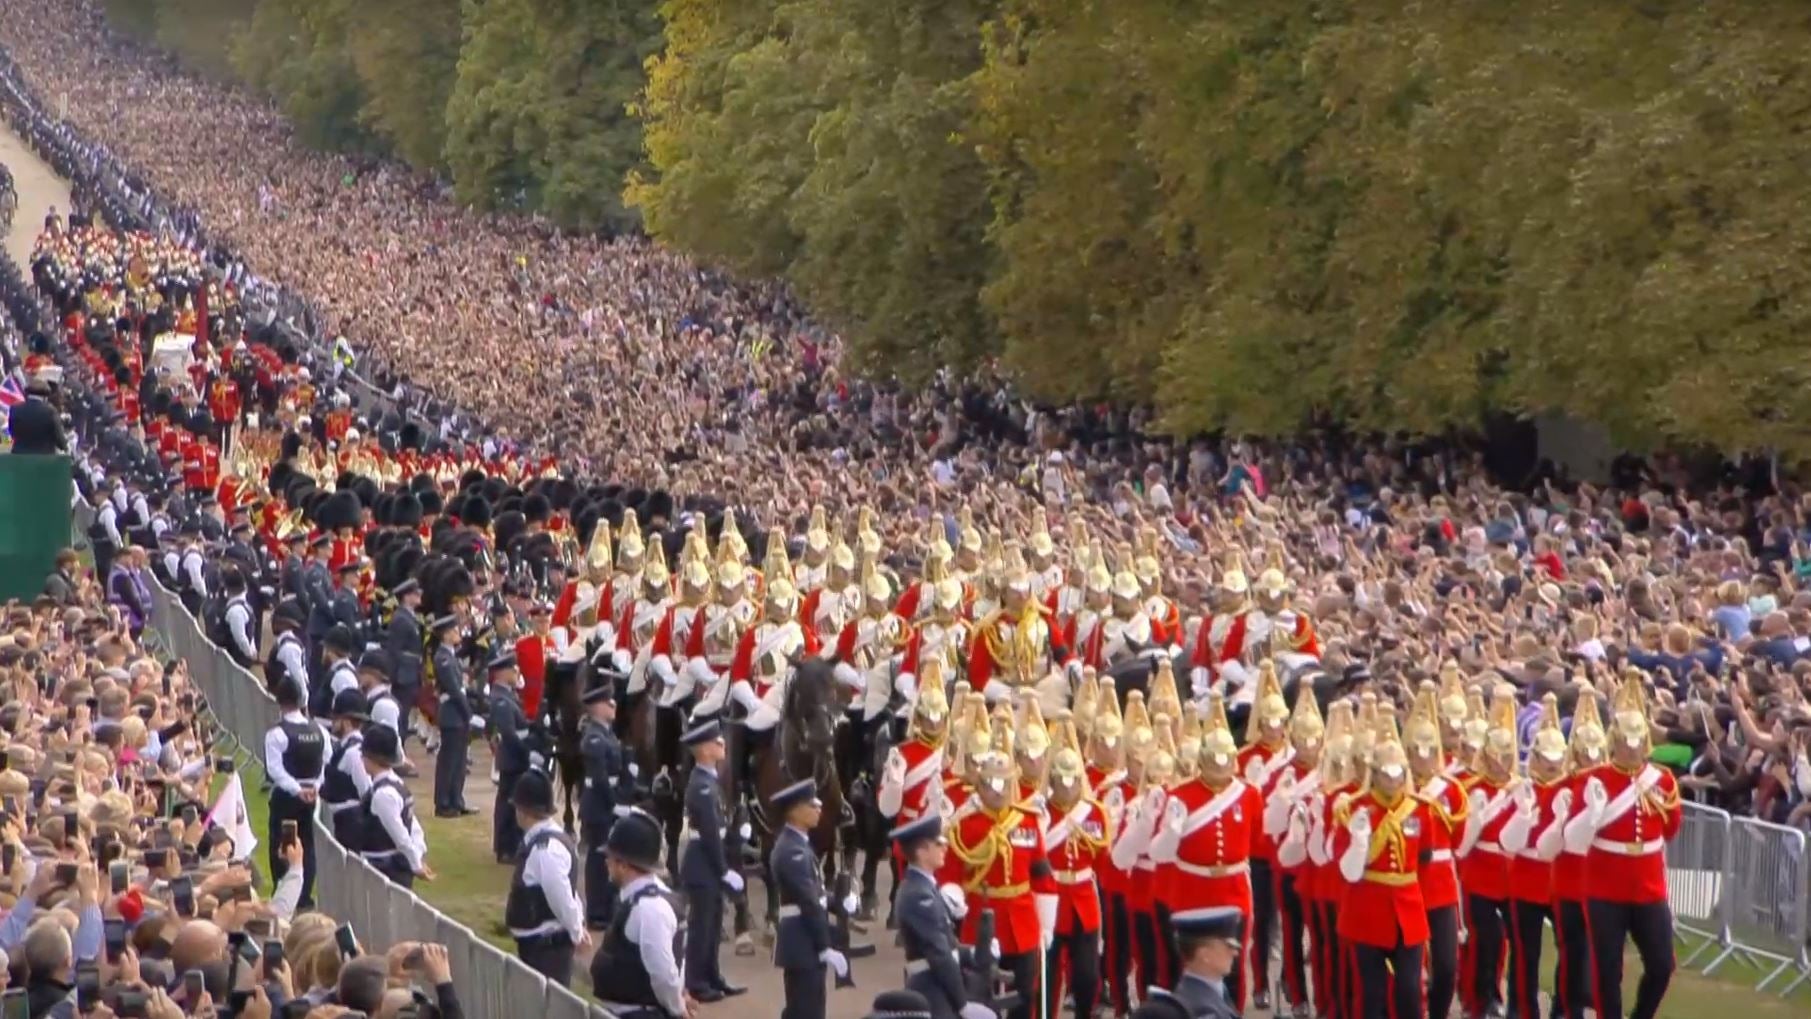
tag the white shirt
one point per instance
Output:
(238, 623)
(344, 677)
(386, 806)
(549, 868)
(191, 564)
(294, 662)
(651, 925)
(352, 765)
(276, 744)
(384, 710)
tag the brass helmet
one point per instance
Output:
(695, 568)
(655, 575)
(1336, 762)
(997, 766)
(1454, 708)
(1039, 541)
(1421, 733)
(842, 557)
(1629, 717)
(1549, 741)
(874, 584)
(957, 742)
(597, 557)
(1502, 743)
(1387, 754)
(979, 739)
(1099, 579)
(1274, 581)
(1033, 739)
(1140, 737)
(1216, 733)
(1147, 568)
(1087, 696)
(1068, 775)
(1163, 697)
(817, 533)
(948, 595)
(1160, 764)
(867, 539)
(929, 709)
(779, 590)
(1232, 575)
(1305, 725)
(730, 546)
(968, 536)
(629, 547)
(1268, 708)
(1002, 729)
(1590, 745)
(1107, 729)
(1477, 721)
(1364, 729)
(1188, 747)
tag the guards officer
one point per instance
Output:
(704, 870)
(346, 781)
(925, 929)
(598, 806)
(295, 758)
(508, 725)
(543, 909)
(455, 721)
(1208, 939)
(801, 947)
(390, 838)
(634, 971)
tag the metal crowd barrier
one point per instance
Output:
(1738, 887)
(491, 984)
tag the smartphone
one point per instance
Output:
(287, 833)
(224, 765)
(71, 830)
(87, 986)
(129, 1003)
(189, 814)
(194, 985)
(9, 855)
(236, 1002)
(182, 893)
(67, 873)
(118, 873)
(296, 1008)
(13, 1004)
(115, 931)
(273, 958)
(259, 927)
(157, 859)
(348, 942)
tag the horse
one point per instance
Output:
(800, 747)
(562, 698)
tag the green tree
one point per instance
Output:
(406, 54)
(295, 50)
(539, 111)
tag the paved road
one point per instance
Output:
(39, 188)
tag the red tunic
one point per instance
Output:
(750, 648)
(1627, 862)
(1485, 870)
(1530, 877)
(923, 778)
(1077, 841)
(1213, 858)
(1446, 822)
(1569, 867)
(1384, 906)
(531, 661)
(1274, 764)
(1115, 792)
(1004, 863)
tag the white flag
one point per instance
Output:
(229, 814)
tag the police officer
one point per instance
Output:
(509, 726)
(602, 754)
(295, 759)
(542, 912)
(926, 931)
(1208, 940)
(192, 571)
(634, 971)
(241, 622)
(704, 870)
(801, 946)
(347, 781)
(103, 534)
(455, 721)
(288, 658)
(403, 641)
(374, 682)
(390, 837)
(337, 649)
(289, 579)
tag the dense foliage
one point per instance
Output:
(1256, 216)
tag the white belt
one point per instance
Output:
(788, 911)
(1629, 848)
(917, 966)
(1491, 848)
(1440, 856)
(1075, 877)
(340, 808)
(622, 810)
(1223, 870)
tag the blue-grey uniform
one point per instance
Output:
(317, 595)
(801, 947)
(599, 806)
(926, 932)
(703, 871)
(1205, 998)
(403, 641)
(509, 727)
(455, 722)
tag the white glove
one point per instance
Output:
(1352, 864)
(536, 761)
(1524, 796)
(1254, 771)
(850, 903)
(1360, 827)
(838, 963)
(1276, 813)
(732, 879)
(477, 723)
(1562, 803)
(745, 832)
(976, 1010)
(994, 947)
(1596, 798)
(954, 900)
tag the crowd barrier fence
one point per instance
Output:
(491, 983)
(1738, 891)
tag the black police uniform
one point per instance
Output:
(598, 806)
(403, 641)
(375, 844)
(340, 795)
(540, 941)
(304, 758)
(619, 973)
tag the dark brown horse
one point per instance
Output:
(799, 747)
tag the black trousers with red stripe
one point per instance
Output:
(1489, 920)
(1388, 981)
(1073, 964)
(1529, 920)
(1295, 923)
(1117, 943)
(1263, 921)
(1442, 959)
(1650, 926)
(1572, 936)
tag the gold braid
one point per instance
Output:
(1389, 834)
(995, 845)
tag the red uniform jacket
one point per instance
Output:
(1077, 842)
(923, 780)
(1003, 861)
(1325, 882)
(1569, 867)
(532, 653)
(1114, 792)
(748, 650)
(1448, 808)
(1213, 858)
(1485, 870)
(1627, 862)
(1384, 905)
(1274, 762)
(1166, 627)
(1206, 656)
(1530, 877)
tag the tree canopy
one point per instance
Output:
(1254, 217)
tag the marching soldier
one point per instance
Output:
(704, 867)
(1483, 859)
(1013, 646)
(1378, 847)
(910, 780)
(1588, 748)
(455, 720)
(1217, 651)
(598, 805)
(1449, 806)
(542, 911)
(1262, 762)
(1208, 940)
(508, 725)
(802, 948)
(1294, 786)
(1630, 810)
(634, 971)
(1076, 839)
(926, 931)
(1533, 839)
(1209, 827)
